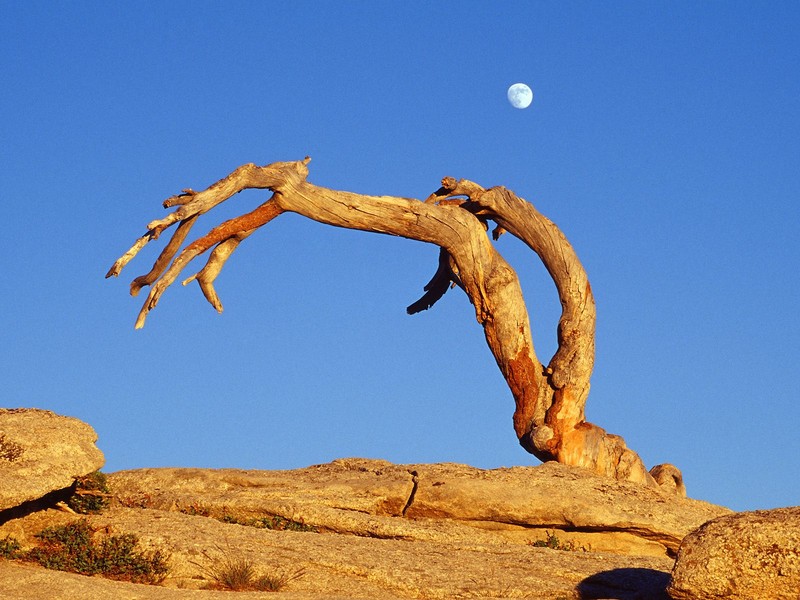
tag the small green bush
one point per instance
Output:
(196, 510)
(282, 524)
(72, 547)
(91, 494)
(552, 542)
(9, 547)
(276, 523)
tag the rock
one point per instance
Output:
(370, 529)
(25, 582)
(348, 566)
(561, 497)
(40, 452)
(669, 477)
(434, 502)
(741, 556)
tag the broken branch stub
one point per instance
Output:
(549, 419)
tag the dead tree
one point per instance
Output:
(549, 419)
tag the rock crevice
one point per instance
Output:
(413, 493)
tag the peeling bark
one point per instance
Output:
(549, 419)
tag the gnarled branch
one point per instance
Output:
(549, 419)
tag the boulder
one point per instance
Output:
(41, 452)
(741, 556)
(434, 502)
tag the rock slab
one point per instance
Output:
(41, 452)
(344, 566)
(436, 502)
(741, 556)
(374, 530)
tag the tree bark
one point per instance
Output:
(549, 419)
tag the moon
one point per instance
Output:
(520, 96)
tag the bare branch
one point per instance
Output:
(166, 255)
(443, 279)
(235, 229)
(206, 276)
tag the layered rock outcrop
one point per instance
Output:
(42, 452)
(433, 502)
(358, 528)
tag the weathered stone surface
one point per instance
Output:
(384, 531)
(433, 502)
(741, 556)
(346, 566)
(40, 452)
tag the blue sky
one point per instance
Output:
(664, 139)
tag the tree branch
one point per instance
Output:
(442, 280)
(227, 237)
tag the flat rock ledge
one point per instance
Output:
(41, 452)
(379, 499)
(369, 529)
(355, 528)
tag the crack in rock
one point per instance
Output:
(410, 501)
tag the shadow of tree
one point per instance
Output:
(625, 584)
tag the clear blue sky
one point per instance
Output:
(664, 139)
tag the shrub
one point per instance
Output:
(279, 523)
(276, 523)
(277, 581)
(9, 547)
(239, 574)
(196, 510)
(552, 542)
(72, 548)
(91, 494)
(236, 574)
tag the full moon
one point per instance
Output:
(520, 95)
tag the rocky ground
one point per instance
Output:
(358, 528)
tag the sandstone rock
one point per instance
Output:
(434, 502)
(741, 556)
(558, 496)
(40, 452)
(669, 477)
(347, 566)
(26, 582)
(385, 531)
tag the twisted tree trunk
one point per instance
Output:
(549, 418)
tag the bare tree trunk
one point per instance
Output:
(549, 419)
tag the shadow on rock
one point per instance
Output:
(625, 584)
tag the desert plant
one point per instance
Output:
(196, 509)
(279, 523)
(228, 571)
(276, 523)
(554, 543)
(9, 547)
(91, 494)
(72, 547)
(275, 582)
(234, 574)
